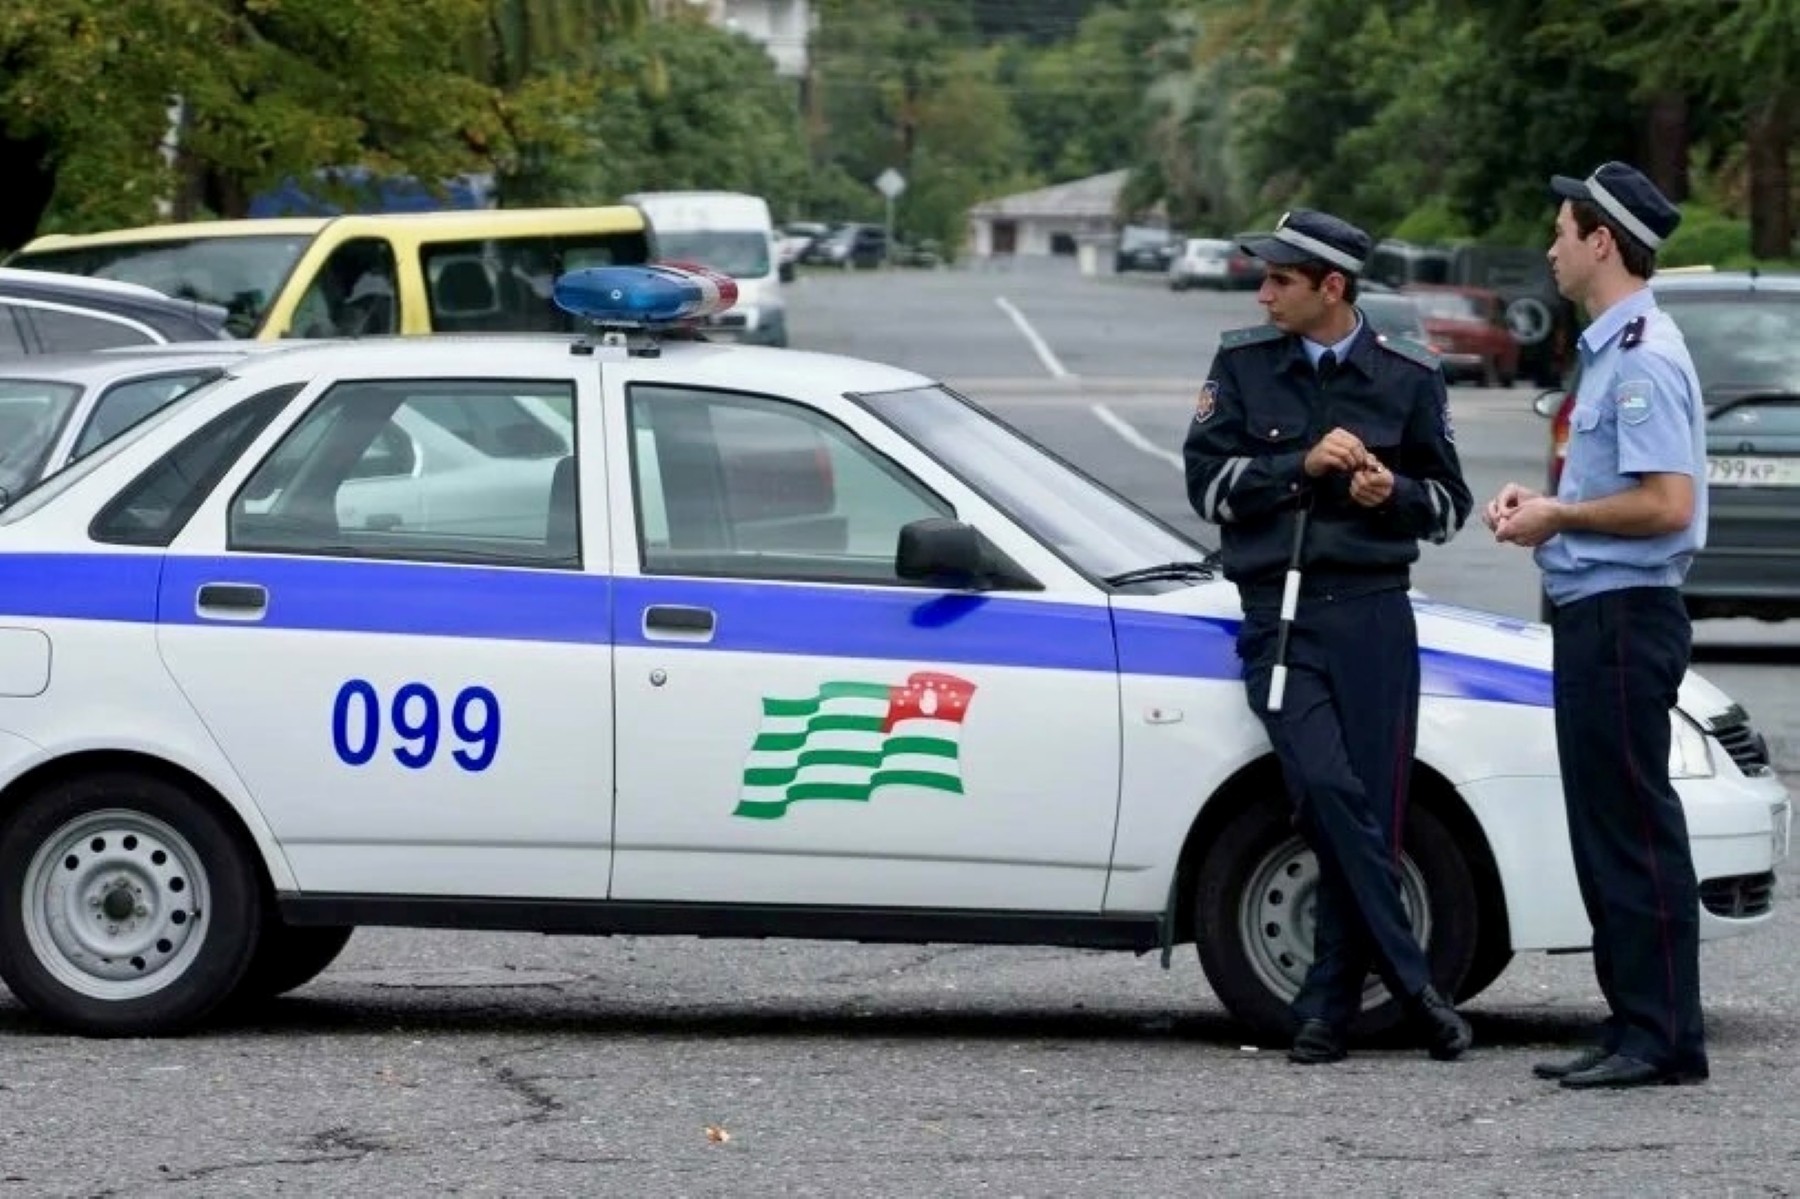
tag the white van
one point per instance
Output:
(732, 233)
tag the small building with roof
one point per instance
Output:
(1050, 220)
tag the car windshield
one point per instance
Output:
(1741, 343)
(1098, 531)
(240, 274)
(1448, 306)
(743, 254)
(33, 413)
(35, 494)
(1390, 314)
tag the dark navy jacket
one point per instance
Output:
(1262, 408)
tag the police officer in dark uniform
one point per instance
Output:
(1614, 544)
(1318, 441)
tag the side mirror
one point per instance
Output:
(786, 271)
(1546, 403)
(951, 554)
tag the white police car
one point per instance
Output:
(702, 639)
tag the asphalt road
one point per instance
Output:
(430, 1064)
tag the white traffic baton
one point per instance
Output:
(1290, 603)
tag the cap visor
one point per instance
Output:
(1565, 188)
(1274, 251)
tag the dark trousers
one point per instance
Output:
(1619, 660)
(1345, 738)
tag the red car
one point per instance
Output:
(1468, 326)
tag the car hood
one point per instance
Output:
(1465, 653)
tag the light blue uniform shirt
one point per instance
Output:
(1637, 412)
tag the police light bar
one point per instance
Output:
(643, 297)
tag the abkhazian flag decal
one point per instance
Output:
(852, 739)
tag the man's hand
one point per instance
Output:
(1373, 484)
(1502, 505)
(1337, 450)
(1530, 522)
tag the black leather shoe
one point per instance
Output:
(1316, 1043)
(1447, 1034)
(1585, 1060)
(1616, 1071)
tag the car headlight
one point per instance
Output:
(1689, 755)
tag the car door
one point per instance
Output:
(417, 707)
(799, 725)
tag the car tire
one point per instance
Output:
(288, 956)
(129, 908)
(1253, 915)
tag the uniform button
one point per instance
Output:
(1274, 432)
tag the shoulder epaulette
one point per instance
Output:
(1232, 339)
(1409, 349)
(1634, 334)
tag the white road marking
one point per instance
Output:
(1055, 368)
(1135, 439)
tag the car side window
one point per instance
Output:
(154, 507)
(125, 404)
(753, 487)
(12, 338)
(381, 470)
(355, 294)
(60, 332)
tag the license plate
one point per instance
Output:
(1731, 470)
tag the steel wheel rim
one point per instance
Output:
(113, 904)
(1277, 913)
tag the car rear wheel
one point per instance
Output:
(129, 908)
(1255, 906)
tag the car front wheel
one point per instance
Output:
(1256, 904)
(128, 907)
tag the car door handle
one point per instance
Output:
(232, 601)
(672, 621)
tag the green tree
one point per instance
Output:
(265, 90)
(722, 120)
(1740, 57)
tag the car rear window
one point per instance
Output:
(503, 285)
(1740, 343)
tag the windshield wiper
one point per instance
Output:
(1204, 569)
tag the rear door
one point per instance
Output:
(421, 703)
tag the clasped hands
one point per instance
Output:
(1521, 516)
(1371, 482)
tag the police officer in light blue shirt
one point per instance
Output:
(1614, 544)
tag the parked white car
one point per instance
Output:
(774, 644)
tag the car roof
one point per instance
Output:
(450, 224)
(1682, 280)
(725, 365)
(107, 295)
(90, 370)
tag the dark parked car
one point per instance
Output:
(43, 312)
(848, 246)
(1743, 331)
(1145, 248)
(1391, 314)
(1542, 322)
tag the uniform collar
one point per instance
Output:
(1304, 353)
(1612, 322)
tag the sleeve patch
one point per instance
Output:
(1634, 400)
(1207, 402)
